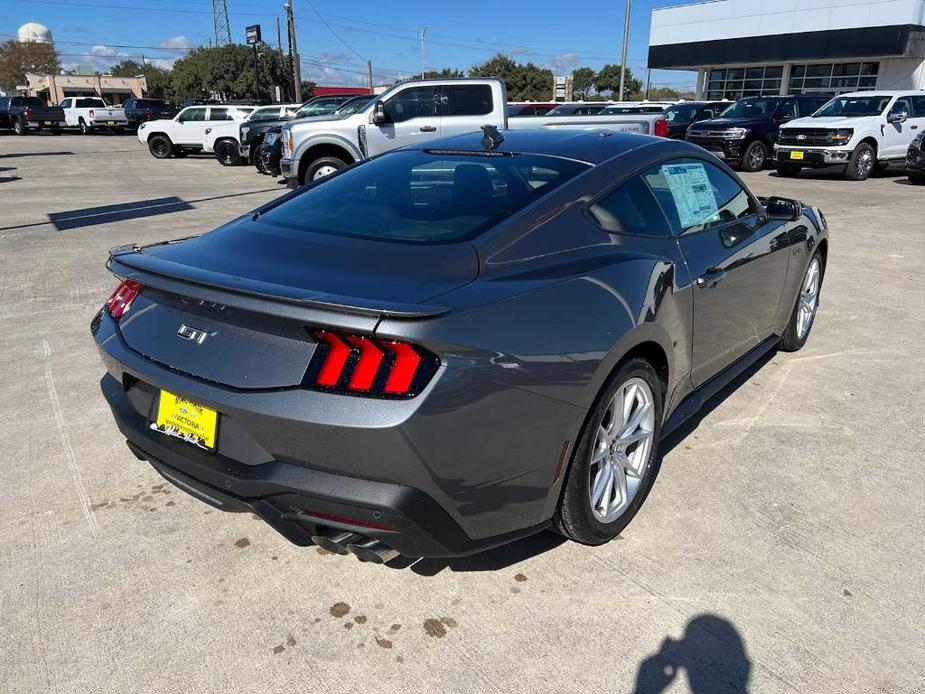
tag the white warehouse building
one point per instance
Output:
(757, 47)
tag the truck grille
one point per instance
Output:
(810, 137)
(714, 134)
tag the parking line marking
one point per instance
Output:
(66, 443)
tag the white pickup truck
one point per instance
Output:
(421, 110)
(184, 133)
(861, 131)
(89, 112)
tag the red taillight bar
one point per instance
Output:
(364, 365)
(121, 299)
(661, 128)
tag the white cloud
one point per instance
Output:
(177, 44)
(561, 64)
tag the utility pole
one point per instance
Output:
(626, 38)
(423, 32)
(294, 54)
(369, 74)
(648, 82)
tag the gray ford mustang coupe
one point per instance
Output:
(452, 346)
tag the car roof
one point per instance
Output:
(885, 92)
(590, 146)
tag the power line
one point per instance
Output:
(333, 33)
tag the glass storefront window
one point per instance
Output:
(836, 78)
(734, 83)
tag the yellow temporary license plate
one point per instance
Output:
(187, 420)
(796, 155)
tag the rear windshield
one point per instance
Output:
(424, 196)
(33, 102)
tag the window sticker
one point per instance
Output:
(692, 192)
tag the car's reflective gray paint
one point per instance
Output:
(526, 346)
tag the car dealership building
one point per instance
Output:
(756, 47)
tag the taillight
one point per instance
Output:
(661, 128)
(26, 112)
(366, 365)
(122, 298)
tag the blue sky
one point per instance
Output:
(336, 38)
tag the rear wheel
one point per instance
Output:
(160, 146)
(862, 162)
(616, 459)
(756, 154)
(19, 127)
(804, 311)
(787, 171)
(85, 128)
(226, 151)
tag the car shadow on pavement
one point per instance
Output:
(711, 653)
(12, 155)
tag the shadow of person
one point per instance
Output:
(711, 653)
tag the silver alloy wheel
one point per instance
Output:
(621, 450)
(865, 163)
(809, 299)
(323, 171)
(756, 157)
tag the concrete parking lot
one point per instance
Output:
(782, 545)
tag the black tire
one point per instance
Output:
(788, 171)
(755, 156)
(322, 164)
(574, 518)
(260, 163)
(160, 146)
(226, 152)
(916, 179)
(862, 163)
(85, 128)
(19, 127)
(792, 340)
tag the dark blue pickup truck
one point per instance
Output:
(20, 113)
(142, 110)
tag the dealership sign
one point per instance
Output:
(253, 34)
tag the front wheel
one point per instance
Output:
(756, 154)
(616, 459)
(160, 146)
(226, 152)
(804, 311)
(862, 162)
(322, 167)
(787, 171)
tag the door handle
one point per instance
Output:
(428, 129)
(711, 278)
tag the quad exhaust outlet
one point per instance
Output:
(365, 549)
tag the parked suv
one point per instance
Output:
(138, 111)
(682, 115)
(861, 131)
(184, 132)
(744, 134)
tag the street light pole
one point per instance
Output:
(423, 32)
(626, 38)
(294, 54)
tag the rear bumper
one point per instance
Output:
(296, 501)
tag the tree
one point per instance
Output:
(308, 90)
(16, 59)
(159, 82)
(607, 81)
(127, 68)
(227, 72)
(447, 72)
(669, 94)
(582, 83)
(525, 82)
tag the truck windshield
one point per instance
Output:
(429, 196)
(754, 107)
(854, 106)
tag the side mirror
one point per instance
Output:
(897, 117)
(783, 209)
(379, 114)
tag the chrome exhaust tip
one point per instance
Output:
(372, 551)
(336, 543)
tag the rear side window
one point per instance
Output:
(631, 209)
(219, 114)
(695, 195)
(467, 100)
(918, 106)
(423, 196)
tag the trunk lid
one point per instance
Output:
(220, 306)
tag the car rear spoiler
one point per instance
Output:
(131, 262)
